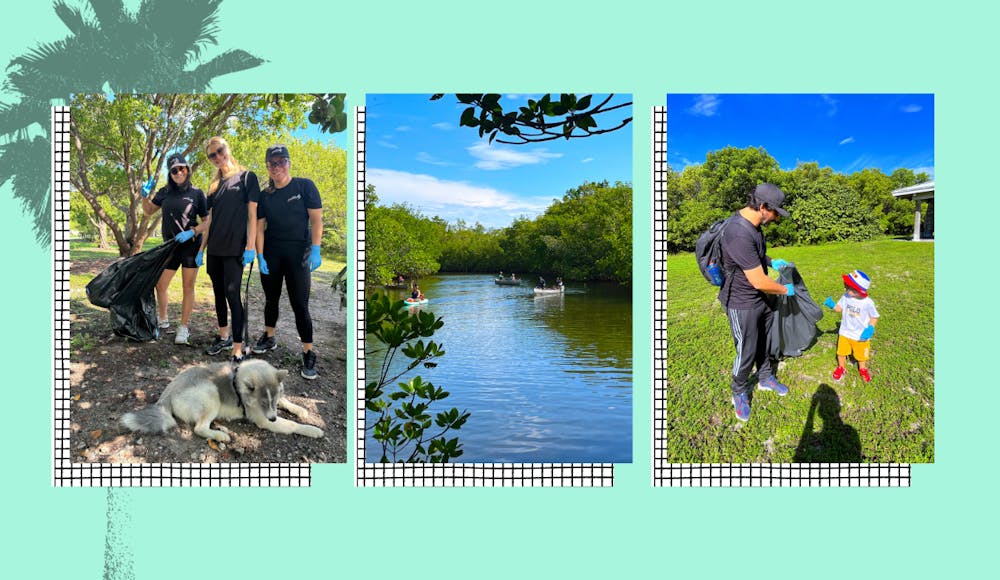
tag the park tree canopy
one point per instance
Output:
(117, 143)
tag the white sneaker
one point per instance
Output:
(163, 323)
(182, 335)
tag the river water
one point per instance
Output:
(546, 379)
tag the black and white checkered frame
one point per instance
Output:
(726, 474)
(65, 473)
(448, 474)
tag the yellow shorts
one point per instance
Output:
(860, 349)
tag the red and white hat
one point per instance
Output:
(859, 281)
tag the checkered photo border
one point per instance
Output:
(65, 473)
(447, 474)
(727, 474)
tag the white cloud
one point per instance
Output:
(425, 157)
(846, 141)
(426, 191)
(492, 157)
(911, 108)
(587, 160)
(831, 103)
(403, 128)
(443, 126)
(705, 106)
(385, 143)
(929, 170)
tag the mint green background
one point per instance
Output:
(941, 524)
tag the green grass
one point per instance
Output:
(890, 419)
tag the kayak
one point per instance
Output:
(547, 291)
(506, 282)
(412, 302)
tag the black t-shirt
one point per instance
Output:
(743, 248)
(227, 236)
(286, 211)
(181, 209)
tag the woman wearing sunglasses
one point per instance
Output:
(232, 210)
(182, 205)
(289, 231)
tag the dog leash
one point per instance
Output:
(236, 389)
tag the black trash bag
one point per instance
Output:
(793, 330)
(126, 288)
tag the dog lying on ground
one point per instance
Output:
(253, 390)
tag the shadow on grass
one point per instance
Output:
(837, 442)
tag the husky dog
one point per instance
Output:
(253, 390)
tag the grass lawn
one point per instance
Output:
(890, 419)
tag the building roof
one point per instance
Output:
(925, 187)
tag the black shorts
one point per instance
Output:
(184, 256)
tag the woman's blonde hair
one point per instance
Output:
(230, 169)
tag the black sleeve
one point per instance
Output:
(262, 208)
(253, 187)
(741, 249)
(311, 195)
(201, 203)
(159, 196)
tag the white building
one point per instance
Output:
(923, 229)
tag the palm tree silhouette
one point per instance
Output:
(158, 47)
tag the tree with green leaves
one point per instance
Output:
(566, 116)
(166, 43)
(116, 144)
(398, 240)
(403, 420)
(731, 173)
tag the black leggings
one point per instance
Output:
(226, 273)
(288, 263)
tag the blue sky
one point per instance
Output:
(417, 153)
(845, 132)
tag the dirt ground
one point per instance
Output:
(111, 376)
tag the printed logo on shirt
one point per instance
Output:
(295, 197)
(853, 311)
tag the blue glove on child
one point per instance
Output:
(248, 256)
(791, 289)
(185, 236)
(263, 264)
(829, 303)
(778, 263)
(314, 258)
(199, 258)
(868, 332)
(148, 186)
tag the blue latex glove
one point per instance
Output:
(248, 256)
(263, 264)
(868, 332)
(778, 263)
(314, 258)
(199, 258)
(185, 236)
(791, 289)
(829, 303)
(148, 186)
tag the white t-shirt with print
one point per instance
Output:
(856, 315)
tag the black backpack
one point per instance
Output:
(708, 252)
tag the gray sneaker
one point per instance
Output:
(183, 335)
(309, 365)
(264, 344)
(163, 324)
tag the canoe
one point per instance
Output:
(506, 282)
(547, 291)
(412, 302)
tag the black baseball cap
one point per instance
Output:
(770, 194)
(276, 151)
(175, 160)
